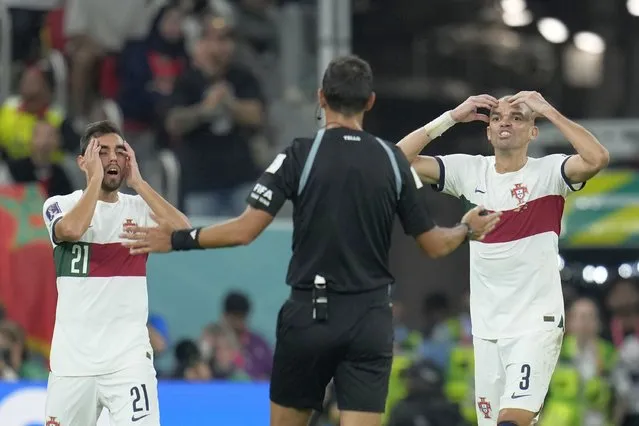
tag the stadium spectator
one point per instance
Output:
(190, 365)
(406, 339)
(425, 403)
(159, 338)
(26, 24)
(217, 108)
(222, 354)
(258, 38)
(626, 379)
(20, 114)
(581, 390)
(38, 166)
(256, 355)
(623, 303)
(7, 373)
(16, 356)
(97, 30)
(147, 72)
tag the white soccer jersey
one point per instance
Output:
(515, 287)
(102, 309)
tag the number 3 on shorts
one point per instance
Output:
(140, 402)
(524, 384)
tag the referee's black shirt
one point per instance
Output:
(346, 186)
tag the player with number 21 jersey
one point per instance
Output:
(101, 356)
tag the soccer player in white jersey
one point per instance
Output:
(516, 300)
(100, 354)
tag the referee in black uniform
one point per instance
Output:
(346, 186)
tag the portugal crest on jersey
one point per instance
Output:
(128, 223)
(519, 191)
(484, 407)
(52, 422)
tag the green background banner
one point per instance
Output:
(604, 214)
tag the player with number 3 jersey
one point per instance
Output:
(101, 356)
(516, 301)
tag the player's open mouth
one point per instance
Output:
(504, 134)
(113, 171)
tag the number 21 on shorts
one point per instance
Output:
(140, 401)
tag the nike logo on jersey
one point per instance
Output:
(135, 419)
(513, 396)
(479, 190)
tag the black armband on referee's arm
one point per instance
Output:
(186, 239)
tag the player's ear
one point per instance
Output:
(534, 132)
(370, 102)
(80, 160)
(488, 133)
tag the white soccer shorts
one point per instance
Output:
(130, 395)
(514, 372)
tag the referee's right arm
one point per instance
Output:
(416, 221)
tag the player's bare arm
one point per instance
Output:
(158, 205)
(238, 231)
(591, 155)
(75, 223)
(411, 145)
(439, 242)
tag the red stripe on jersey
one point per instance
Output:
(535, 217)
(114, 260)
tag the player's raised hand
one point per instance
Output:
(90, 162)
(132, 171)
(533, 100)
(467, 111)
(480, 222)
(142, 240)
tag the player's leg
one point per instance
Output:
(131, 395)
(489, 381)
(530, 361)
(303, 365)
(361, 379)
(72, 401)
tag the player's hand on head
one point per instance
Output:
(132, 171)
(91, 164)
(480, 222)
(143, 240)
(533, 100)
(467, 111)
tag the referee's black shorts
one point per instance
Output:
(354, 347)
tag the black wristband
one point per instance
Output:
(186, 239)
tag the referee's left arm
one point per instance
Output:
(272, 189)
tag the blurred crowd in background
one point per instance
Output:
(197, 87)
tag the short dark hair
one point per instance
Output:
(347, 84)
(97, 129)
(237, 303)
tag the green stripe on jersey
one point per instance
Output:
(72, 259)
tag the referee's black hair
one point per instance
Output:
(347, 84)
(97, 129)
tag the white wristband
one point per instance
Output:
(438, 126)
